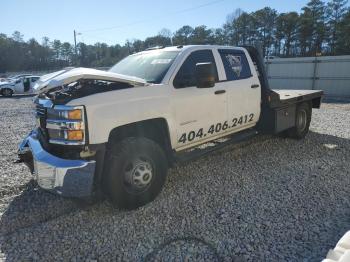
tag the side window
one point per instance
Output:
(235, 63)
(34, 79)
(185, 77)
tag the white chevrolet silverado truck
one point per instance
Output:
(117, 132)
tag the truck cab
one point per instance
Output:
(117, 132)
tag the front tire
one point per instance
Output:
(7, 92)
(302, 122)
(135, 173)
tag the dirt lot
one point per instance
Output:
(269, 199)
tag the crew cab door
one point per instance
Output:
(197, 110)
(243, 89)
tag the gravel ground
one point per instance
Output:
(268, 199)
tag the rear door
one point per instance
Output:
(199, 112)
(243, 88)
(26, 84)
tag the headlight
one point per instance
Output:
(75, 114)
(66, 125)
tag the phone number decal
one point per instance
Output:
(215, 128)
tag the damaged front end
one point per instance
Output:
(70, 178)
(57, 151)
(79, 82)
(61, 95)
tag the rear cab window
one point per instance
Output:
(185, 77)
(235, 63)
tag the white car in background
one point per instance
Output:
(21, 85)
(16, 77)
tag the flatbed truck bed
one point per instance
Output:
(285, 97)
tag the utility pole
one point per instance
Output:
(75, 47)
(75, 42)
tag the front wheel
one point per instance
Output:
(7, 92)
(135, 172)
(302, 122)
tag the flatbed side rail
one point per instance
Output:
(282, 98)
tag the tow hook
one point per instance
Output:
(87, 153)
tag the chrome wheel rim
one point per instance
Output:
(138, 174)
(301, 120)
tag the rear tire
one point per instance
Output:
(302, 122)
(7, 92)
(135, 172)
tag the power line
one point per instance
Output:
(152, 19)
(97, 37)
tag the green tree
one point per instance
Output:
(343, 39)
(335, 11)
(312, 27)
(236, 27)
(56, 46)
(157, 40)
(67, 52)
(183, 35)
(286, 30)
(218, 36)
(264, 27)
(4, 49)
(289, 34)
(17, 37)
(138, 45)
(200, 35)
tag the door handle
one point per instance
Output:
(218, 92)
(255, 86)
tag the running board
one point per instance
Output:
(198, 152)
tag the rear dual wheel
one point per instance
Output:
(302, 122)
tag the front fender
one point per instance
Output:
(109, 110)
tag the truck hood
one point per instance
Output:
(67, 76)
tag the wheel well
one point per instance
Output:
(4, 88)
(154, 129)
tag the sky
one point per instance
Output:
(113, 22)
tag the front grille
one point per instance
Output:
(40, 110)
(40, 113)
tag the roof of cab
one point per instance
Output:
(189, 47)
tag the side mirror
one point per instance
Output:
(205, 75)
(18, 81)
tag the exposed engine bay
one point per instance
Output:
(61, 95)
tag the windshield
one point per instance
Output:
(151, 66)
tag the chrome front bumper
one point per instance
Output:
(71, 178)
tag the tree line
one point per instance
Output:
(319, 29)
